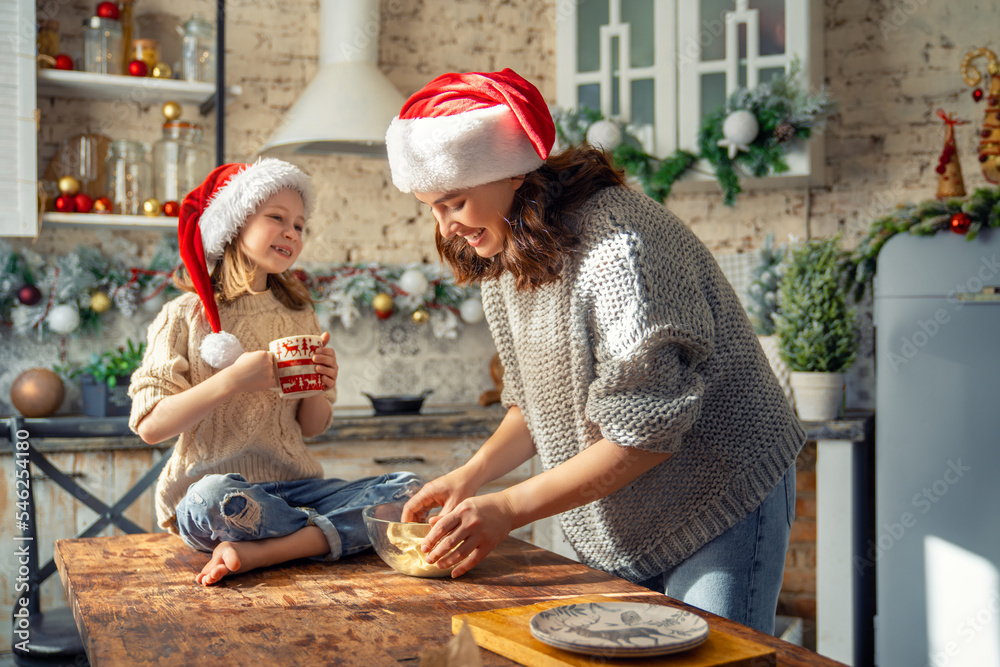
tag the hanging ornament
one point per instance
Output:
(989, 143)
(420, 316)
(68, 185)
(107, 10)
(604, 135)
(29, 295)
(103, 205)
(161, 71)
(63, 319)
(138, 68)
(413, 282)
(171, 110)
(37, 392)
(739, 129)
(471, 311)
(960, 223)
(83, 202)
(65, 204)
(100, 302)
(64, 62)
(127, 299)
(949, 169)
(151, 207)
(977, 94)
(382, 303)
(171, 208)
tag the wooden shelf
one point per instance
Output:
(111, 221)
(85, 85)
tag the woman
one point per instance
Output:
(630, 366)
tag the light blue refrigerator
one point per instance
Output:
(936, 548)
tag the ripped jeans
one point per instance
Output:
(217, 508)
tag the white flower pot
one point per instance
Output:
(818, 396)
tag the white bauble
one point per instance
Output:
(739, 129)
(471, 311)
(604, 134)
(413, 282)
(63, 319)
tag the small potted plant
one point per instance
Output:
(816, 328)
(105, 378)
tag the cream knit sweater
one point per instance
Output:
(255, 433)
(644, 342)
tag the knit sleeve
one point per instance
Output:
(650, 327)
(165, 370)
(495, 310)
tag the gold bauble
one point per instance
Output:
(420, 316)
(69, 185)
(151, 207)
(171, 110)
(382, 303)
(100, 302)
(37, 392)
(161, 71)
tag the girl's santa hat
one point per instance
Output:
(211, 216)
(463, 130)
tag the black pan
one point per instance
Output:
(397, 405)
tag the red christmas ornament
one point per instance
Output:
(171, 209)
(83, 203)
(102, 205)
(107, 10)
(977, 94)
(138, 68)
(64, 62)
(960, 223)
(29, 295)
(65, 204)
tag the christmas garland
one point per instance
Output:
(751, 133)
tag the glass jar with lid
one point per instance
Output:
(180, 161)
(130, 176)
(197, 50)
(102, 46)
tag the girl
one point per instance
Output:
(630, 366)
(241, 483)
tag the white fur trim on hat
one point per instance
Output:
(221, 350)
(242, 195)
(448, 153)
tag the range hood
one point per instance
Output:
(349, 104)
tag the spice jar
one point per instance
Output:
(198, 50)
(180, 161)
(129, 172)
(146, 50)
(102, 46)
(48, 41)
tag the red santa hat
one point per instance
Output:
(212, 215)
(463, 130)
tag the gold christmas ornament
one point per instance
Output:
(69, 185)
(171, 110)
(151, 207)
(949, 169)
(420, 316)
(37, 392)
(100, 302)
(161, 71)
(382, 303)
(989, 143)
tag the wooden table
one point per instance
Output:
(136, 603)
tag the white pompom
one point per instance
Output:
(413, 282)
(739, 128)
(471, 311)
(604, 134)
(221, 350)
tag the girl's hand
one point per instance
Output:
(326, 362)
(252, 371)
(445, 492)
(468, 533)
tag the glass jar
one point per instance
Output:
(198, 50)
(180, 161)
(146, 50)
(130, 176)
(48, 41)
(102, 46)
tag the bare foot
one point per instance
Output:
(225, 560)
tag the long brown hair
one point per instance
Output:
(234, 274)
(542, 233)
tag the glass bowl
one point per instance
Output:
(398, 543)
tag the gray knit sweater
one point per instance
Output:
(644, 342)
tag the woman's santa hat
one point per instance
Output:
(463, 130)
(212, 215)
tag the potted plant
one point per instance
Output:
(105, 378)
(816, 328)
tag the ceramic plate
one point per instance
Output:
(619, 629)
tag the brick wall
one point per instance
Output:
(798, 592)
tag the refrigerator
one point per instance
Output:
(936, 548)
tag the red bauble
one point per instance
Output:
(102, 205)
(107, 10)
(138, 68)
(29, 295)
(65, 203)
(83, 203)
(960, 223)
(977, 94)
(383, 314)
(171, 208)
(64, 62)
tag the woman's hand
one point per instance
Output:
(326, 362)
(445, 492)
(468, 533)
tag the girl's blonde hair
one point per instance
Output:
(234, 274)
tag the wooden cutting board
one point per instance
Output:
(507, 632)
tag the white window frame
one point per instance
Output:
(18, 125)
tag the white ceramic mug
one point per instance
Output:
(294, 367)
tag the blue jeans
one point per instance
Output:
(738, 574)
(218, 508)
